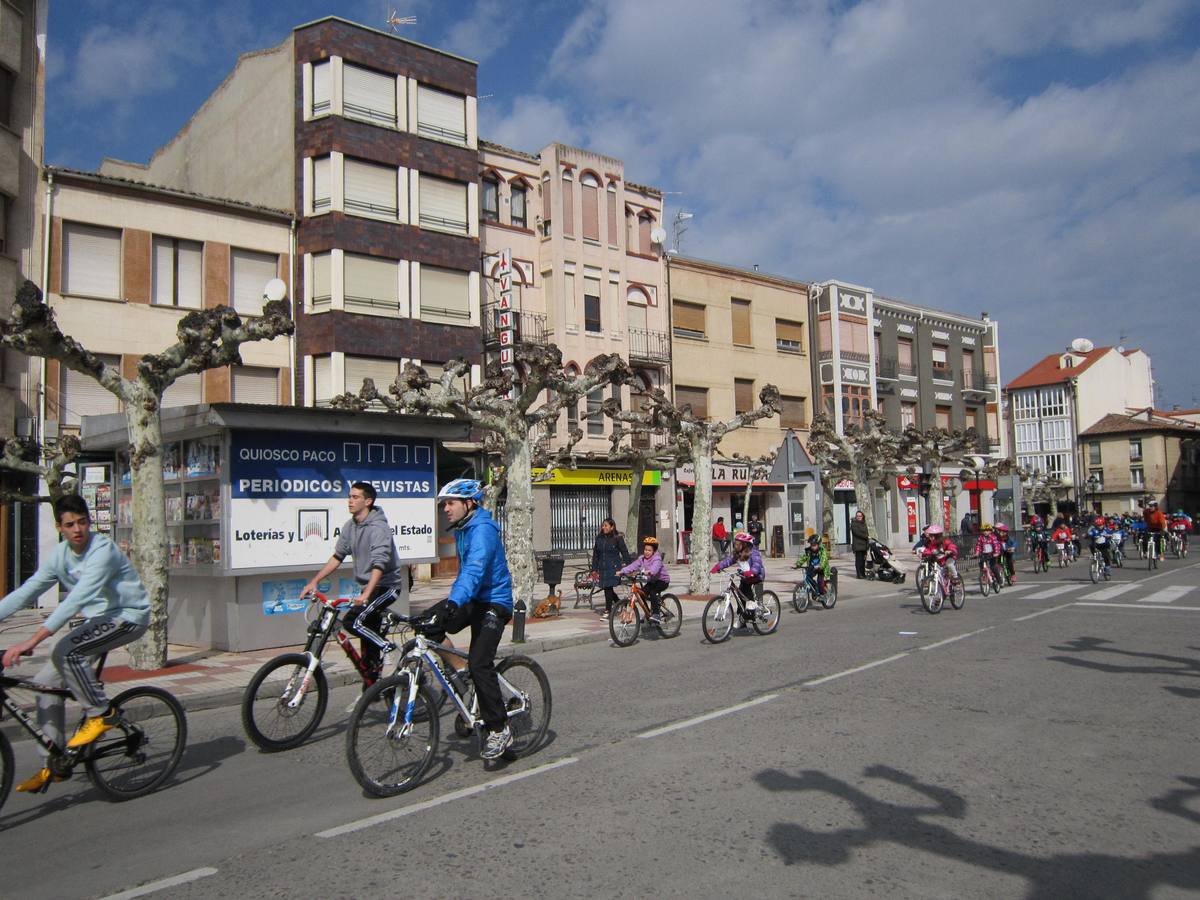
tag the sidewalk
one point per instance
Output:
(207, 679)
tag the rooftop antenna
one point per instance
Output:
(396, 21)
(678, 228)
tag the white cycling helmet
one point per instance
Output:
(461, 489)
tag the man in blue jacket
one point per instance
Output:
(480, 597)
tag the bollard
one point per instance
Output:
(518, 622)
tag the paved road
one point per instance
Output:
(1039, 744)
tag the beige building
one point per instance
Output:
(1144, 456)
(733, 331)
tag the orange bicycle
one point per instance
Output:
(628, 613)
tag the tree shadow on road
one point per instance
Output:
(1118, 662)
(926, 827)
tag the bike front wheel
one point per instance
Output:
(671, 611)
(932, 598)
(526, 692)
(282, 705)
(800, 598)
(717, 620)
(386, 758)
(624, 622)
(958, 594)
(6, 769)
(767, 619)
(985, 584)
(142, 751)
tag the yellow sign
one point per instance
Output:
(609, 477)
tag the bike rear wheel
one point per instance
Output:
(831, 594)
(6, 769)
(800, 598)
(391, 760)
(717, 620)
(529, 708)
(671, 612)
(142, 751)
(270, 719)
(624, 622)
(767, 619)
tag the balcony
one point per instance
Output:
(886, 369)
(906, 371)
(652, 347)
(528, 327)
(974, 381)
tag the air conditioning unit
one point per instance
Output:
(51, 430)
(25, 427)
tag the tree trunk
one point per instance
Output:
(936, 506)
(637, 469)
(746, 497)
(519, 510)
(149, 545)
(826, 508)
(701, 559)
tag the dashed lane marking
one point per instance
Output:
(163, 884)
(1042, 612)
(1168, 594)
(1171, 608)
(957, 637)
(688, 723)
(855, 670)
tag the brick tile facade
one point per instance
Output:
(216, 274)
(136, 265)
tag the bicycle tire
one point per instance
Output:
(386, 765)
(800, 598)
(1094, 571)
(932, 599)
(767, 620)
(269, 722)
(530, 725)
(6, 769)
(142, 751)
(958, 594)
(831, 595)
(671, 611)
(717, 620)
(985, 584)
(624, 622)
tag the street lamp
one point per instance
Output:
(977, 463)
(1093, 487)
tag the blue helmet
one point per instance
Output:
(461, 489)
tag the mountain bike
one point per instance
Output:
(989, 582)
(1178, 545)
(130, 760)
(1041, 559)
(719, 614)
(629, 612)
(394, 729)
(1118, 555)
(808, 590)
(285, 700)
(1097, 570)
(936, 587)
(1152, 550)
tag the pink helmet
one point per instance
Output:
(744, 537)
(1002, 527)
(934, 529)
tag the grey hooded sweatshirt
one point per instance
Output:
(372, 548)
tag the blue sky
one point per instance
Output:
(1037, 160)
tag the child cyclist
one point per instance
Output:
(814, 559)
(938, 547)
(651, 564)
(1099, 536)
(1008, 553)
(989, 549)
(1062, 538)
(749, 562)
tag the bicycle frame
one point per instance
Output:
(320, 630)
(10, 682)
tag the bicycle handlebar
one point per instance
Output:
(318, 597)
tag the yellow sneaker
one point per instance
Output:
(37, 782)
(92, 729)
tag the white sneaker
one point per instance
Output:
(497, 742)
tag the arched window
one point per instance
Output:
(590, 188)
(645, 223)
(489, 200)
(518, 205)
(568, 198)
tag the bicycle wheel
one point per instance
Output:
(767, 619)
(831, 595)
(529, 707)
(625, 622)
(717, 621)
(274, 713)
(1152, 558)
(985, 583)
(800, 598)
(958, 594)
(142, 751)
(388, 760)
(671, 612)
(932, 599)
(6, 769)
(1094, 570)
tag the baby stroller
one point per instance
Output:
(879, 565)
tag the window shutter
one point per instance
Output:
(443, 204)
(372, 282)
(369, 96)
(82, 395)
(441, 115)
(612, 216)
(91, 261)
(190, 276)
(382, 371)
(322, 380)
(370, 188)
(789, 333)
(939, 355)
(688, 317)
(568, 203)
(591, 208)
(186, 391)
(904, 352)
(445, 294)
(743, 395)
(163, 292)
(791, 412)
(251, 272)
(320, 195)
(637, 317)
(322, 87)
(741, 322)
(697, 398)
(644, 233)
(255, 385)
(322, 278)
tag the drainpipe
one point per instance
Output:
(47, 225)
(292, 300)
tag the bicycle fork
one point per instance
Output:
(298, 697)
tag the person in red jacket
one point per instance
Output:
(1156, 524)
(720, 537)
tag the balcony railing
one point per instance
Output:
(974, 381)
(886, 369)
(649, 346)
(528, 327)
(908, 370)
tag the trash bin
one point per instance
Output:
(553, 562)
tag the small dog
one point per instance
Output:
(549, 608)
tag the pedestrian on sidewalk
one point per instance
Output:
(860, 541)
(720, 537)
(756, 530)
(609, 554)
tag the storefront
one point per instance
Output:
(767, 503)
(570, 504)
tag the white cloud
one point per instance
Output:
(481, 33)
(120, 64)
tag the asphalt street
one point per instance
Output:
(1038, 744)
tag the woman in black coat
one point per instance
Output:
(858, 543)
(609, 556)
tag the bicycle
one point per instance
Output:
(989, 581)
(1152, 550)
(936, 588)
(285, 700)
(1041, 559)
(130, 760)
(719, 613)
(1178, 545)
(1097, 569)
(1064, 558)
(394, 728)
(1118, 555)
(629, 612)
(806, 591)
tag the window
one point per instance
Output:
(382, 371)
(368, 96)
(81, 395)
(178, 273)
(941, 366)
(856, 401)
(7, 82)
(441, 115)
(611, 194)
(968, 365)
(1027, 437)
(696, 398)
(631, 236)
(1137, 476)
(1135, 449)
(792, 413)
(569, 307)
(1055, 435)
(743, 395)
(740, 313)
(320, 183)
(637, 315)
(436, 370)
(1025, 405)
(645, 223)
(688, 319)
(1056, 465)
(1093, 453)
(941, 417)
(591, 303)
(322, 380)
(91, 261)
(321, 289)
(444, 204)
(904, 356)
(186, 391)
(445, 296)
(908, 414)
(595, 425)
(517, 206)
(568, 203)
(589, 186)
(547, 205)
(371, 189)
(255, 385)
(371, 284)
(322, 95)
(853, 338)
(250, 273)
(489, 203)
(572, 416)
(1096, 479)
(1054, 402)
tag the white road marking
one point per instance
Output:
(1168, 594)
(958, 637)
(688, 723)
(1109, 593)
(856, 669)
(445, 798)
(173, 881)
(1055, 591)
(1140, 606)
(1042, 612)
(907, 633)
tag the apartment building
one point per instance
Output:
(1064, 394)
(733, 331)
(588, 278)
(918, 366)
(1133, 458)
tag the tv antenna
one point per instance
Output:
(678, 227)
(396, 21)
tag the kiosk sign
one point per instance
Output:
(288, 494)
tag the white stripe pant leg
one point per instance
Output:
(74, 654)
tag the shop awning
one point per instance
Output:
(982, 484)
(738, 485)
